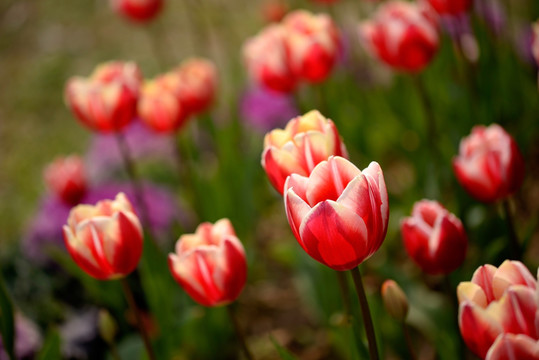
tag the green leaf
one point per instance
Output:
(51, 346)
(7, 326)
(283, 353)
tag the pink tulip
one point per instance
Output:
(210, 264)
(266, 59)
(137, 10)
(489, 165)
(338, 214)
(107, 100)
(299, 147)
(451, 7)
(498, 301)
(66, 178)
(434, 238)
(513, 347)
(313, 43)
(105, 240)
(403, 35)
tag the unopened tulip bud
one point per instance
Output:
(107, 326)
(395, 300)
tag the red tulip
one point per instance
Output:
(451, 7)
(210, 264)
(498, 301)
(105, 240)
(404, 35)
(513, 347)
(304, 143)
(266, 59)
(137, 10)
(489, 165)
(338, 214)
(313, 43)
(65, 177)
(107, 100)
(434, 238)
(160, 109)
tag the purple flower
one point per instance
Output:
(27, 338)
(265, 109)
(78, 333)
(493, 13)
(46, 227)
(104, 156)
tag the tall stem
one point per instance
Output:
(366, 314)
(516, 250)
(432, 133)
(239, 333)
(142, 329)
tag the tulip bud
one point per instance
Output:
(65, 177)
(107, 100)
(299, 147)
(451, 7)
(210, 264)
(313, 43)
(489, 165)
(403, 35)
(266, 59)
(107, 326)
(197, 83)
(105, 240)
(159, 108)
(137, 10)
(395, 300)
(434, 238)
(338, 214)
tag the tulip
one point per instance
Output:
(104, 240)
(137, 10)
(510, 346)
(313, 43)
(498, 301)
(403, 35)
(159, 108)
(489, 165)
(451, 7)
(266, 59)
(395, 300)
(434, 238)
(338, 214)
(66, 178)
(107, 100)
(210, 264)
(299, 147)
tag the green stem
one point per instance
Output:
(140, 324)
(366, 314)
(239, 333)
(515, 248)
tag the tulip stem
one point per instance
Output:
(408, 338)
(135, 181)
(516, 249)
(239, 332)
(140, 324)
(366, 314)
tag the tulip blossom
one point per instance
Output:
(266, 60)
(210, 264)
(105, 240)
(159, 108)
(451, 7)
(137, 10)
(403, 35)
(313, 43)
(107, 100)
(66, 178)
(338, 214)
(497, 311)
(434, 238)
(489, 166)
(305, 142)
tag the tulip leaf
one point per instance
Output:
(283, 353)
(7, 321)
(51, 346)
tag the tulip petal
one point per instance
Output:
(329, 179)
(478, 329)
(483, 277)
(296, 210)
(513, 347)
(511, 273)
